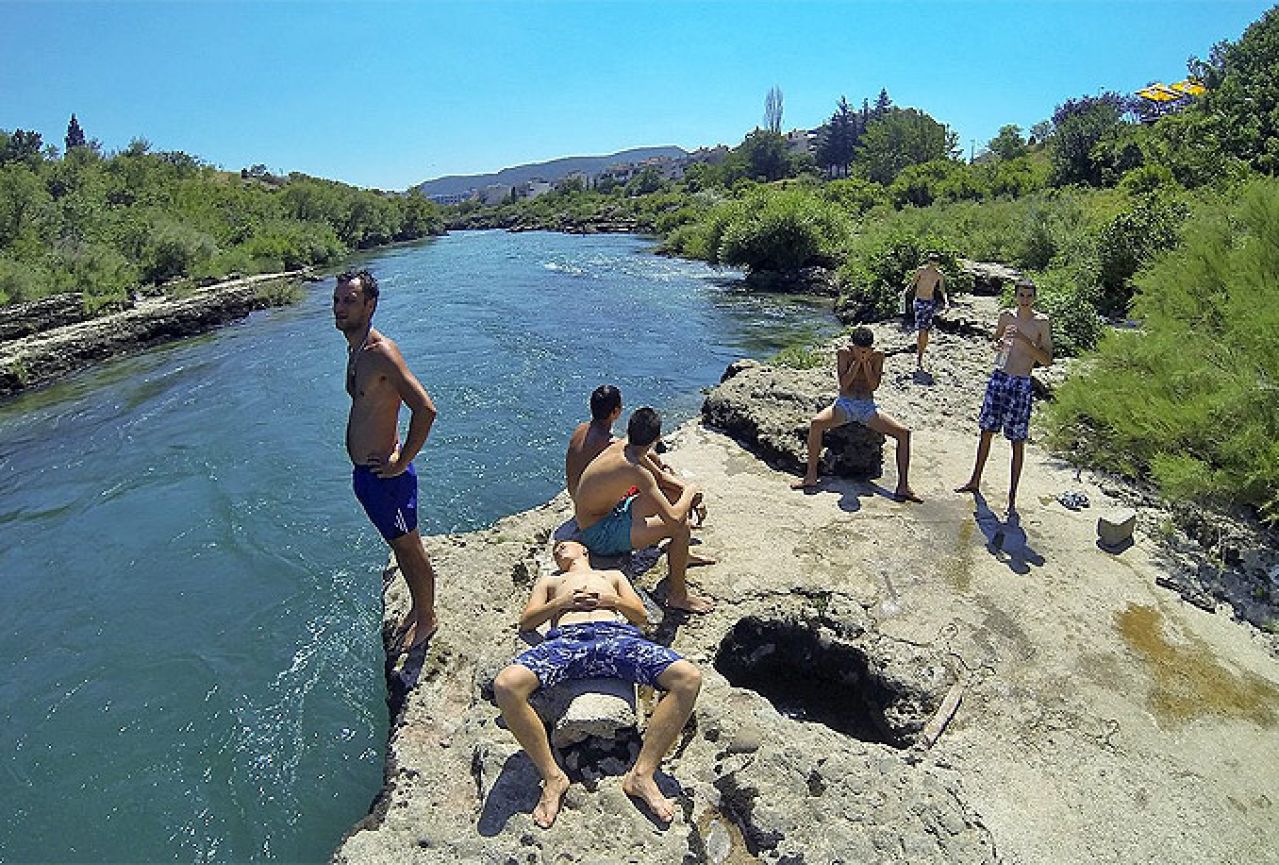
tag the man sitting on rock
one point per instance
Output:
(859, 369)
(590, 439)
(593, 616)
(620, 507)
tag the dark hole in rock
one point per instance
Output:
(832, 684)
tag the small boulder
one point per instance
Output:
(1114, 528)
(580, 708)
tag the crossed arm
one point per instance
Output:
(542, 606)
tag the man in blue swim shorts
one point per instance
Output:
(378, 382)
(1023, 338)
(593, 616)
(928, 286)
(620, 506)
(859, 368)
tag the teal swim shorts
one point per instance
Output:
(611, 536)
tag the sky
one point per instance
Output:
(386, 95)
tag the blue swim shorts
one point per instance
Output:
(1007, 404)
(391, 503)
(597, 650)
(848, 410)
(611, 536)
(924, 310)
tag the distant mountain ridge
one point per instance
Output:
(555, 169)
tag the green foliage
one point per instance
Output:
(800, 357)
(783, 230)
(901, 138)
(105, 225)
(1241, 107)
(1080, 125)
(1008, 144)
(75, 135)
(1189, 399)
(1132, 238)
(881, 261)
(854, 195)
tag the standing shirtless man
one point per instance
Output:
(620, 507)
(378, 381)
(593, 617)
(929, 286)
(1023, 338)
(859, 368)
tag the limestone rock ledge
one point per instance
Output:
(843, 782)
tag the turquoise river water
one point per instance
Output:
(190, 663)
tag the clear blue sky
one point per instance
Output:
(390, 94)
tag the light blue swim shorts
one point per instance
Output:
(611, 536)
(860, 410)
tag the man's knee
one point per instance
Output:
(515, 684)
(682, 678)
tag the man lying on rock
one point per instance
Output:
(859, 368)
(620, 507)
(593, 616)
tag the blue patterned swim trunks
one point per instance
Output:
(1007, 404)
(611, 536)
(924, 310)
(597, 650)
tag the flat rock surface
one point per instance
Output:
(1100, 718)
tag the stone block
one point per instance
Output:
(580, 708)
(1114, 528)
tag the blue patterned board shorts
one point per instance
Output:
(597, 650)
(924, 310)
(391, 503)
(1007, 404)
(860, 410)
(611, 536)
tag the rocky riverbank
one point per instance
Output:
(884, 682)
(53, 337)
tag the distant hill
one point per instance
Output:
(556, 169)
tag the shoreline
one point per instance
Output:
(42, 358)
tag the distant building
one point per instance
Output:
(496, 193)
(535, 188)
(452, 197)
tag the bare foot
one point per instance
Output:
(695, 559)
(806, 484)
(416, 633)
(691, 603)
(906, 494)
(645, 789)
(548, 806)
(970, 487)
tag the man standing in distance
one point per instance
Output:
(929, 288)
(1023, 338)
(378, 381)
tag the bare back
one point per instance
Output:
(587, 442)
(606, 479)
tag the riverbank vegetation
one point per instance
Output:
(1157, 217)
(108, 225)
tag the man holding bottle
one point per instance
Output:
(1023, 338)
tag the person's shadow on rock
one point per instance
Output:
(1005, 539)
(516, 791)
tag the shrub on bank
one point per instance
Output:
(783, 230)
(1189, 399)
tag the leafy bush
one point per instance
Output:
(783, 230)
(1131, 239)
(876, 273)
(800, 357)
(1189, 400)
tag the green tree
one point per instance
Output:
(1078, 126)
(1242, 101)
(75, 135)
(837, 140)
(773, 109)
(900, 138)
(1008, 144)
(764, 155)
